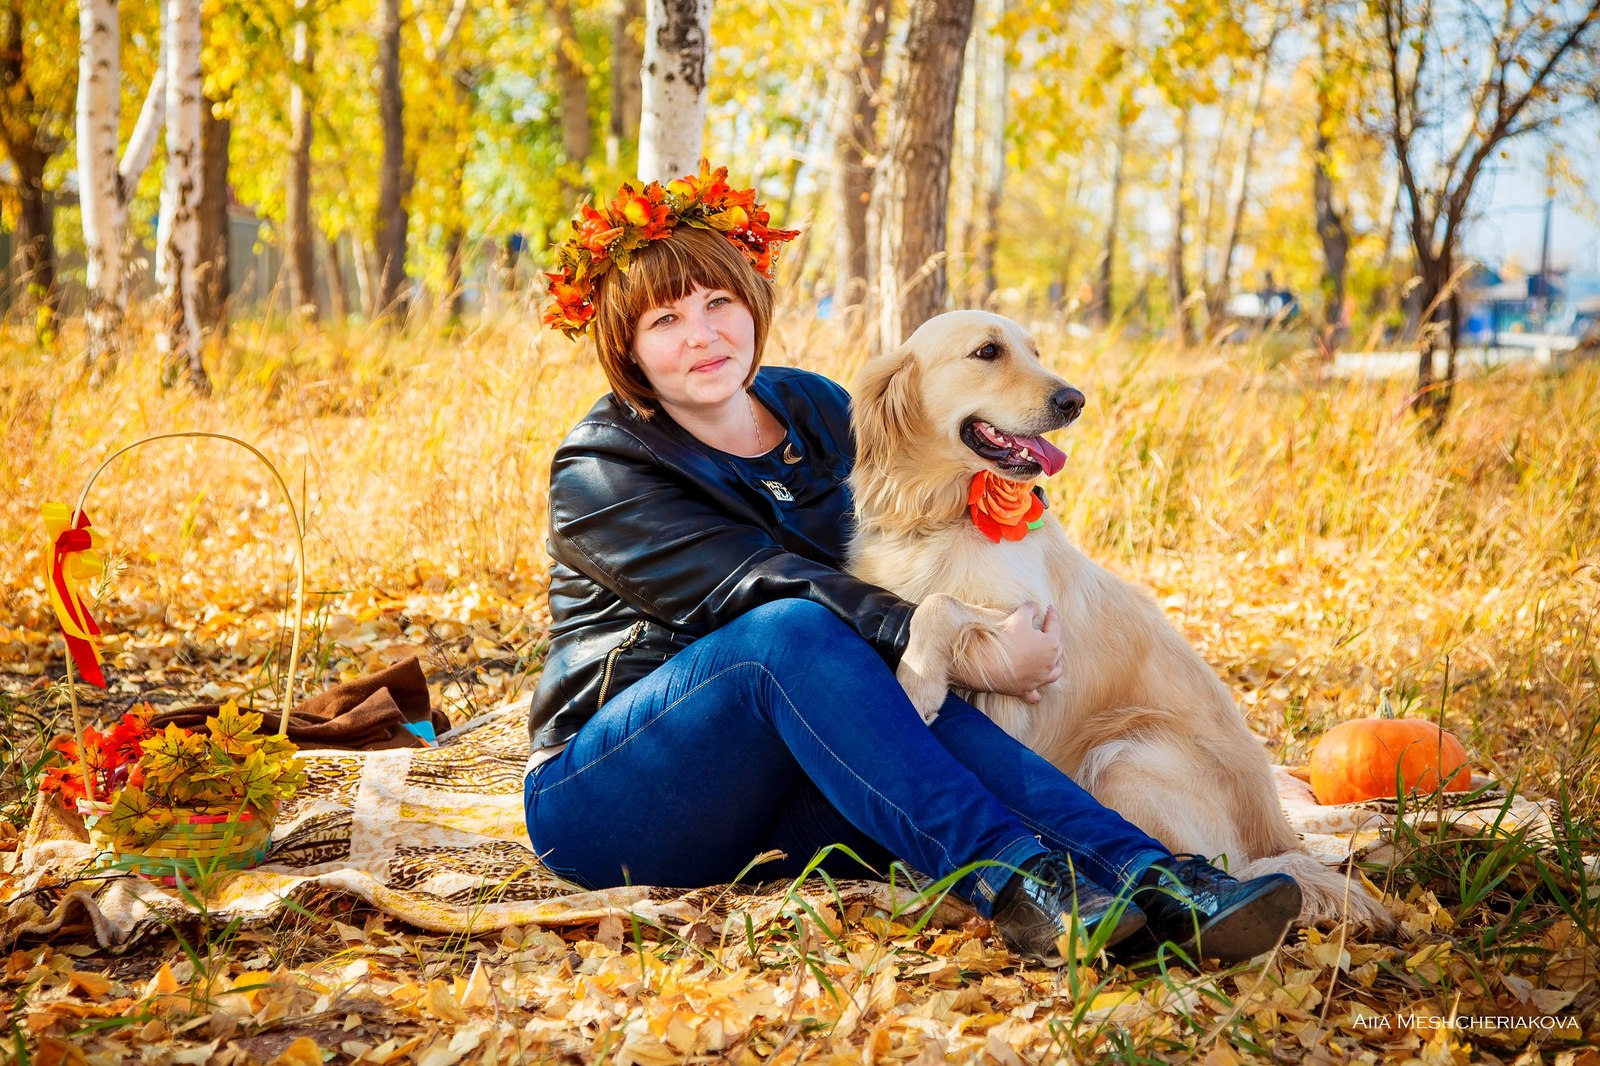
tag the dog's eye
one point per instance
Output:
(988, 353)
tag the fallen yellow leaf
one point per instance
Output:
(441, 1004)
(89, 983)
(474, 991)
(53, 1052)
(163, 983)
(1109, 1002)
(303, 1052)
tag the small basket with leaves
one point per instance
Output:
(165, 803)
(171, 801)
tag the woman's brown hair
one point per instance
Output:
(661, 273)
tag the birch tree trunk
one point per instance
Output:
(966, 164)
(1241, 181)
(855, 143)
(455, 250)
(627, 59)
(1335, 237)
(141, 147)
(577, 139)
(215, 133)
(1104, 305)
(1332, 229)
(389, 233)
(911, 188)
(297, 231)
(1209, 186)
(178, 232)
(456, 239)
(99, 191)
(36, 239)
(363, 258)
(26, 137)
(677, 48)
(993, 85)
(338, 295)
(1177, 274)
(34, 251)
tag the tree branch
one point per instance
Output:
(152, 114)
(436, 50)
(1392, 13)
(1505, 120)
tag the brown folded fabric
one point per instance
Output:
(367, 714)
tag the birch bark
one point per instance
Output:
(994, 78)
(390, 231)
(577, 138)
(627, 60)
(214, 289)
(1104, 309)
(178, 232)
(1241, 183)
(1177, 271)
(103, 183)
(855, 144)
(911, 189)
(297, 214)
(100, 192)
(677, 43)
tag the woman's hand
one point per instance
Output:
(1017, 658)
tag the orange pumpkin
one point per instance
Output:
(1358, 760)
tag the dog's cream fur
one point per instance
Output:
(1137, 717)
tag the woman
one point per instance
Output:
(717, 687)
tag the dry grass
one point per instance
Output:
(1313, 545)
(1303, 534)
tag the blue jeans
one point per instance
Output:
(785, 730)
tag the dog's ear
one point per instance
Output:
(887, 407)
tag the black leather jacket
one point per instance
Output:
(659, 539)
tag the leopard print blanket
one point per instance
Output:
(435, 837)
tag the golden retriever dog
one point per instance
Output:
(1137, 717)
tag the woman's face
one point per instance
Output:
(696, 351)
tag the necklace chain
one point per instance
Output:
(754, 423)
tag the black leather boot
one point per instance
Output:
(1209, 914)
(1048, 899)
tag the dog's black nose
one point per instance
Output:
(1069, 401)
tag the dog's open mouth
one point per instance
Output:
(1023, 456)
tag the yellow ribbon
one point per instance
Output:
(68, 568)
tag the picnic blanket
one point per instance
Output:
(435, 837)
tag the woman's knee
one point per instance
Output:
(795, 621)
(801, 635)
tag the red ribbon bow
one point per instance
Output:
(73, 561)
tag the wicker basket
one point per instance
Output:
(195, 845)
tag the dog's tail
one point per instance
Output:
(1329, 895)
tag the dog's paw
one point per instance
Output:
(938, 626)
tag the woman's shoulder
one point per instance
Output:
(610, 425)
(805, 388)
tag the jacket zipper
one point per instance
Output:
(611, 659)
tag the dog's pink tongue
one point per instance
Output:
(1048, 455)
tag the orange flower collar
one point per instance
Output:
(1003, 509)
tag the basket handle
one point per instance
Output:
(300, 589)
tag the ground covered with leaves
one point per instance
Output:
(1301, 532)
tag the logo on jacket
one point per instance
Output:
(779, 490)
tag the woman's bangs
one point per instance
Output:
(667, 271)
